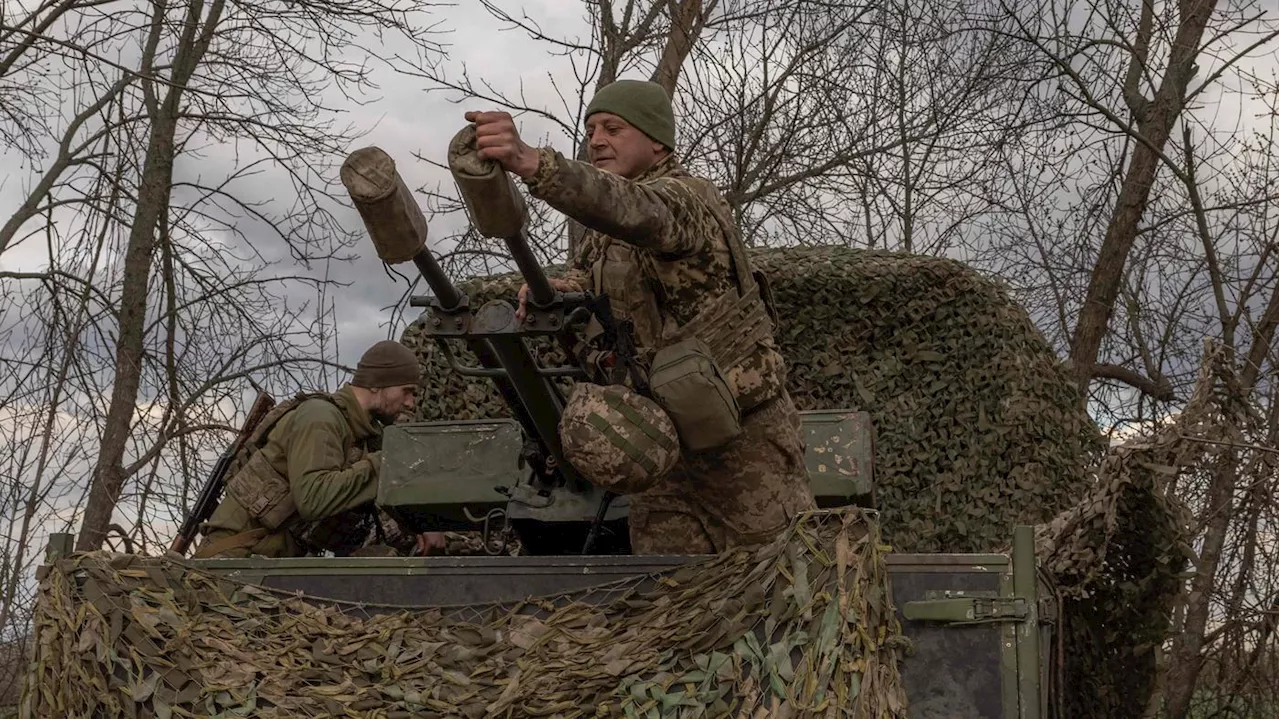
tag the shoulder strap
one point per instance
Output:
(732, 237)
(748, 279)
(268, 423)
(738, 253)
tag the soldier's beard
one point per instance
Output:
(382, 417)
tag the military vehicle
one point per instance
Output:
(981, 625)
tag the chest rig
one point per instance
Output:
(688, 365)
(267, 497)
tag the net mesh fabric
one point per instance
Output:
(978, 427)
(793, 628)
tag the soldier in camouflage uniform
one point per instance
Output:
(663, 245)
(307, 478)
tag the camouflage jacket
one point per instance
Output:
(659, 247)
(308, 446)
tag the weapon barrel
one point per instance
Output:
(530, 397)
(496, 208)
(540, 290)
(446, 292)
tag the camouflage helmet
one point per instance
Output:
(618, 439)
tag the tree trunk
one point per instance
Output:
(108, 474)
(686, 25)
(1155, 120)
(153, 195)
(1185, 660)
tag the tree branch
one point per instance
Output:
(1158, 388)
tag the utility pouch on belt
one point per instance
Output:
(686, 381)
(263, 493)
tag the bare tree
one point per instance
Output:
(1133, 76)
(25, 107)
(1157, 219)
(198, 239)
(875, 126)
(1240, 484)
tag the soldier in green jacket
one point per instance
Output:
(663, 245)
(307, 479)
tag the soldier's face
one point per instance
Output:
(391, 401)
(614, 145)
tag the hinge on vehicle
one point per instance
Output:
(967, 610)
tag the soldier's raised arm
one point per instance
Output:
(621, 192)
(664, 214)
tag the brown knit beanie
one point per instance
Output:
(386, 364)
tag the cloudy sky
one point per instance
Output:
(403, 117)
(410, 120)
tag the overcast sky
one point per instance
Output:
(403, 118)
(410, 120)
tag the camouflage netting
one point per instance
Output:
(1117, 556)
(802, 627)
(978, 427)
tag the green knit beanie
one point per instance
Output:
(643, 104)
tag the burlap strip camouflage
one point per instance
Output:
(802, 627)
(1117, 556)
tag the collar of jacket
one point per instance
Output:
(357, 417)
(668, 166)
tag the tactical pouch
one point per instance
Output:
(263, 493)
(686, 381)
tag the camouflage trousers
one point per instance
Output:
(741, 494)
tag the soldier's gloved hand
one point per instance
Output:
(428, 541)
(498, 140)
(559, 283)
(375, 459)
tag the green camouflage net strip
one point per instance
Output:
(801, 627)
(978, 426)
(1117, 556)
